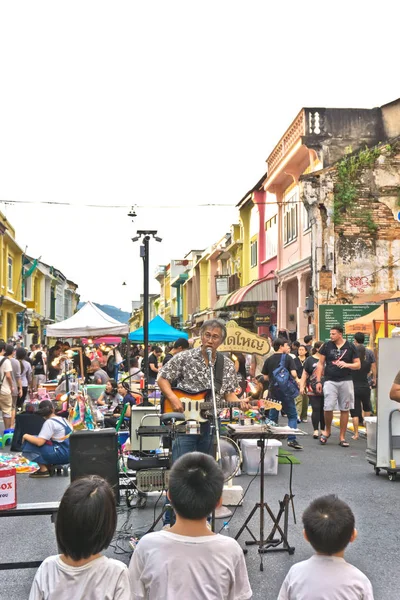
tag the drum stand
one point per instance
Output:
(270, 543)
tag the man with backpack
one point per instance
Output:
(280, 371)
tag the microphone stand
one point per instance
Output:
(216, 438)
(214, 425)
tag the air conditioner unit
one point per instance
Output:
(309, 303)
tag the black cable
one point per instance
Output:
(242, 498)
(155, 506)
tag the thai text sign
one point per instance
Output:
(339, 314)
(242, 340)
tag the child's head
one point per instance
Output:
(87, 518)
(329, 525)
(195, 485)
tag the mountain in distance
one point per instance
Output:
(112, 311)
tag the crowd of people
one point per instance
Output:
(326, 375)
(337, 374)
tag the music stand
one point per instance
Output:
(268, 543)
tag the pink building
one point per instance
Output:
(316, 139)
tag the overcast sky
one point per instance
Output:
(164, 104)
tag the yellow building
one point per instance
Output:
(11, 302)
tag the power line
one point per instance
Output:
(125, 206)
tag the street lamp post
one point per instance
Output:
(144, 254)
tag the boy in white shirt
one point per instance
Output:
(329, 527)
(189, 560)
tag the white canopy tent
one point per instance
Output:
(89, 321)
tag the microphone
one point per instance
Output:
(209, 354)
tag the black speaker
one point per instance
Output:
(95, 453)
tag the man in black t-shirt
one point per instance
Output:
(179, 345)
(340, 358)
(281, 346)
(154, 358)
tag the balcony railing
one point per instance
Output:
(309, 122)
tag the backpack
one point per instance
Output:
(110, 368)
(283, 383)
(38, 361)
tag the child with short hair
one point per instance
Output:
(189, 560)
(85, 526)
(329, 527)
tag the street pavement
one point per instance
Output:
(323, 470)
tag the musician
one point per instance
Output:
(189, 371)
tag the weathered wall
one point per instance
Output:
(351, 262)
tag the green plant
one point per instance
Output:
(349, 171)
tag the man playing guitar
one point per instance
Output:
(189, 370)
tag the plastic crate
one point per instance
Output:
(251, 457)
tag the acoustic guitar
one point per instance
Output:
(197, 407)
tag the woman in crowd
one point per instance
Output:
(302, 398)
(362, 390)
(240, 368)
(135, 373)
(26, 375)
(51, 446)
(127, 397)
(109, 399)
(308, 384)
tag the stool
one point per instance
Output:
(6, 438)
(61, 470)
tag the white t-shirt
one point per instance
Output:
(325, 578)
(53, 429)
(6, 367)
(101, 579)
(26, 374)
(167, 566)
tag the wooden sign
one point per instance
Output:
(241, 340)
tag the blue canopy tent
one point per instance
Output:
(159, 331)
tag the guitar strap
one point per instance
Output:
(218, 372)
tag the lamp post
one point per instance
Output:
(146, 235)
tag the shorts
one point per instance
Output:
(338, 394)
(362, 397)
(6, 404)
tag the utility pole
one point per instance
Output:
(146, 235)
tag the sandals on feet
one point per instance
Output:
(344, 444)
(324, 438)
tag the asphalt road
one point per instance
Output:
(323, 470)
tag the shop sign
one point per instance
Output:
(334, 314)
(241, 340)
(33, 329)
(222, 285)
(260, 320)
(246, 322)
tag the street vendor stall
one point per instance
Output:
(159, 331)
(373, 323)
(89, 321)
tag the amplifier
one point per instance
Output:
(141, 443)
(95, 453)
(152, 480)
(156, 461)
(151, 430)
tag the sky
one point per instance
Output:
(165, 106)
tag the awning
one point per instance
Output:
(373, 319)
(262, 290)
(222, 301)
